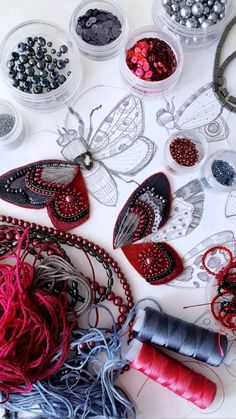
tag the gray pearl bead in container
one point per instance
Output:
(195, 13)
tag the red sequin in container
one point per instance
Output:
(185, 151)
(151, 61)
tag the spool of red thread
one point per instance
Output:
(170, 373)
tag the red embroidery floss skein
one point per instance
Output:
(34, 328)
(170, 373)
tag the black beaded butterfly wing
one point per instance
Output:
(146, 211)
(117, 148)
(56, 185)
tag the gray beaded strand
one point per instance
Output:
(195, 13)
(222, 93)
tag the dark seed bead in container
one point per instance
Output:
(223, 172)
(219, 171)
(185, 151)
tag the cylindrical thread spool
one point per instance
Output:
(179, 336)
(170, 373)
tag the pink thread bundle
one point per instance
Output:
(34, 326)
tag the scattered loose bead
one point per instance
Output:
(151, 59)
(184, 151)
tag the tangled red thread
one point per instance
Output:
(34, 326)
(223, 305)
(178, 378)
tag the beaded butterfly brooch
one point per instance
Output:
(146, 211)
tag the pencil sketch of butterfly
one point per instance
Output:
(201, 112)
(230, 208)
(185, 216)
(118, 148)
(194, 274)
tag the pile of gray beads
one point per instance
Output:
(195, 13)
(7, 123)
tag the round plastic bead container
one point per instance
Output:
(219, 171)
(147, 87)
(99, 52)
(201, 145)
(12, 129)
(191, 37)
(52, 33)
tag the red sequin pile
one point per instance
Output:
(184, 151)
(151, 59)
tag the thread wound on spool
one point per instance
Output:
(178, 378)
(182, 337)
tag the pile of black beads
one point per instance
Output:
(97, 27)
(34, 68)
(223, 172)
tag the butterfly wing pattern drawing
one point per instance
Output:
(201, 112)
(118, 148)
(54, 184)
(230, 208)
(186, 213)
(194, 274)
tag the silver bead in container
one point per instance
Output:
(12, 129)
(195, 13)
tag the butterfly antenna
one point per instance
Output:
(76, 114)
(91, 122)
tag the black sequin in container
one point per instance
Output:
(12, 128)
(99, 28)
(195, 22)
(40, 64)
(219, 171)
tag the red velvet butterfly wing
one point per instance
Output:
(57, 185)
(157, 263)
(146, 210)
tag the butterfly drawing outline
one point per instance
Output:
(117, 148)
(201, 112)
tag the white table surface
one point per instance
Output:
(154, 401)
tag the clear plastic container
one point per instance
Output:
(209, 181)
(191, 37)
(99, 52)
(14, 138)
(64, 93)
(151, 88)
(201, 145)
